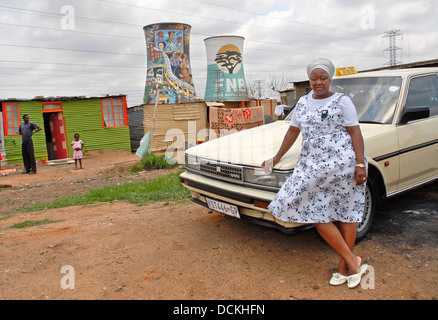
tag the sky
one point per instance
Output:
(97, 47)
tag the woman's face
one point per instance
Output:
(320, 83)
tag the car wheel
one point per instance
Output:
(370, 208)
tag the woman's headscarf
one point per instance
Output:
(321, 63)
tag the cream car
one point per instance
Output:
(398, 114)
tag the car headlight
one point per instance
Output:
(256, 176)
(192, 162)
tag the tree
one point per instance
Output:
(229, 60)
(257, 88)
(279, 83)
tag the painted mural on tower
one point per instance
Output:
(168, 64)
(225, 72)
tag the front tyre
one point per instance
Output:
(369, 209)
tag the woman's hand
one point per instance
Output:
(289, 139)
(360, 175)
(269, 164)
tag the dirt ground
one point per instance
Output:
(163, 251)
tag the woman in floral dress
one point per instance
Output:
(328, 181)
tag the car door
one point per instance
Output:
(418, 139)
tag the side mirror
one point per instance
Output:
(415, 113)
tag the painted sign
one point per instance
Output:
(225, 72)
(168, 64)
(345, 71)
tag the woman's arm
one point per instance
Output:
(289, 139)
(358, 145)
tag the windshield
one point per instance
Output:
(375, 98)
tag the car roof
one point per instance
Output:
(390, 72)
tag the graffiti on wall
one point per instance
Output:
(169, 75)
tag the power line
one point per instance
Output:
(234, 22)
(276, 18)
(136, 25)
(69, 31)
(71, 63)
(79, 74)
(134, 68)
(270, 44)
(129, 54)
(57, 15)
(70, 49)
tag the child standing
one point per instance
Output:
(77, 145)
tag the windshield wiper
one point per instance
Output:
(369, 121)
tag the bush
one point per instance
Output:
(153, 162)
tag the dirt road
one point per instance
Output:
(180, 251)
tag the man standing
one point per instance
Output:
(26, 130)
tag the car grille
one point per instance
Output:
(222, 170)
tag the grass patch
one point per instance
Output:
(165, 188)
(33, 223)
(136, 168)
(5, 217)
(153, 162)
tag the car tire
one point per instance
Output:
(371, 198)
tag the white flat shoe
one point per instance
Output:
(354, 279)
(338, 279)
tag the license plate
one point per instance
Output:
(222, 207)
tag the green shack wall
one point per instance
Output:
(85, 117)
(80, 116)
(13, 143)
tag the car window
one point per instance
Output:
(289, 115)
(375, 98)
(423, 92)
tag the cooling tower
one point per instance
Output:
(168, 63)
(225, 75)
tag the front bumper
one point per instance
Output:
(252, 203)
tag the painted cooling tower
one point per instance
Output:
(168, 63)
(225, 75)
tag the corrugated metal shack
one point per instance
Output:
(102, 123)
(136, 128)
(179, 125)
(176, 124)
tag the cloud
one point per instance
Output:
(105, 52)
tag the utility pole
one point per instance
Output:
(151, 137)
(259, 84)
(392, 47)
(218, 94)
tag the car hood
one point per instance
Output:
(253, 146)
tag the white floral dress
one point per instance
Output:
(322, 187)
